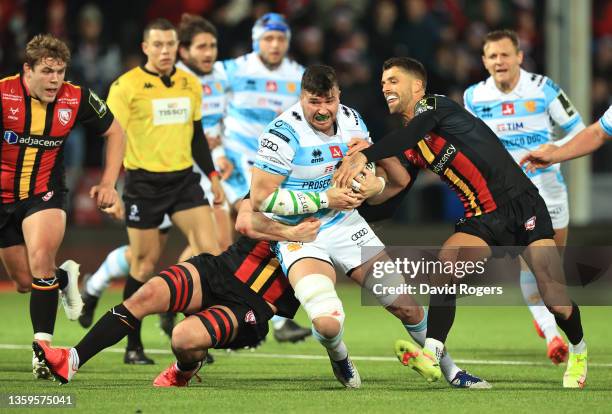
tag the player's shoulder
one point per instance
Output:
(291, 65)
(219, 72)
(350, 117)
(432, 102)
(473, 91)
(287, 124)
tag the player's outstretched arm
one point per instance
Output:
(585, 142)
(105, 193)
(396, 178)
(259, 227)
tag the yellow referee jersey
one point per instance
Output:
(157, 117)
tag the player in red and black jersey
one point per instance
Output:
(37, 112)
(502, 206)
(227, 299)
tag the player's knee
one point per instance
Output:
(186, 339)
(143, 268)
(318, 296)
(41, 263)
(21, 288)
(148, 299)
(560, 310)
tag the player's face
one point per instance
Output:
(273, 47)
(160, 47)
(202, 53)
(397, 89)
(320, 111)
(45, 78)
(503, 61)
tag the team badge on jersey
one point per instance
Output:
(530, 106)
(291, 87)
(425, 104)
(64, 115)
(507, 108)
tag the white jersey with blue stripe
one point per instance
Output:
(606, 121)
(524, 119)
(214, 98)
(306, 157)
(258, 95)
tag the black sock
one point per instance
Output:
(131, 286)
(440, 316)
(43, 304)
(572, 326)
(187, 366)
(62, 277)
(110, 329)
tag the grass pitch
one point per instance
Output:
(498, 344)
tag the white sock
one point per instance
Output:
(435, 346)
(418, 333)
(336, 348)
(278, 322)
(540, 312)
(578, 348)
(115, 266)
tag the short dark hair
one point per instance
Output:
(496, 35)
(319, 79)
(45, 46)
(157, 24)
(410, 65)
(192, 25)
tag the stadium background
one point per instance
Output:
(355, 37)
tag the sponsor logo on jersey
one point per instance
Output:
(439, 166)
(507, 108)
(335, 151)
(485, 112)
(171, 111)
(361, 233)
(10, 137)
(64, 115)
(330, 168)
(509, 126)
(317, 156)
(271, 86)
(266, 143)
(316, 184)
(206, 90)
(219, 87)
(530, 224)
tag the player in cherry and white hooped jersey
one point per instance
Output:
(522, 108)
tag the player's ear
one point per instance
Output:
(183, 53)
(520, 57)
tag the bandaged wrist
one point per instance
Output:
(290, 203)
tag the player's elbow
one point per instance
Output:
(243, 224)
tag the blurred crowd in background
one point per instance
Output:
(353, 36)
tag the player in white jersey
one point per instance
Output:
(586, 142)
(292, 181)
(263, 84)
(522, 109)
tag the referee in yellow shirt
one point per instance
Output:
(159, 107)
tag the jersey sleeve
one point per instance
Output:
(468, 98)
(606, 121)
(119, 102)
(277, 147)
(561, 110)
(94, 113)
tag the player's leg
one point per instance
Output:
(116, 265)
(544, 261)
(197, 224)
(192, 338)
(145, 248)
(544, 320)
(15, 261)
(177, 289)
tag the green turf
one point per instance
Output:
(247, 383)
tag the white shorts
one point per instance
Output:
(553, 190)
(338, 244)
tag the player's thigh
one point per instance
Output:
(213, 327)
(197, 225)
(15, 261)
(310, 266)
(43, 232)
(464, 246)
(152, 297)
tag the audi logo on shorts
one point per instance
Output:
(359, 234)
(266, 143)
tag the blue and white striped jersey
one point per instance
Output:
(606, 121)
(258, 95)
(306, 157)
(214, 98)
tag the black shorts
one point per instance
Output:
(519, 222)
(149, 195)
(221, 287)
(12, 215)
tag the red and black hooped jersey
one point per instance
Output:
(449, 141)
(33, 135)
(255, 266)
